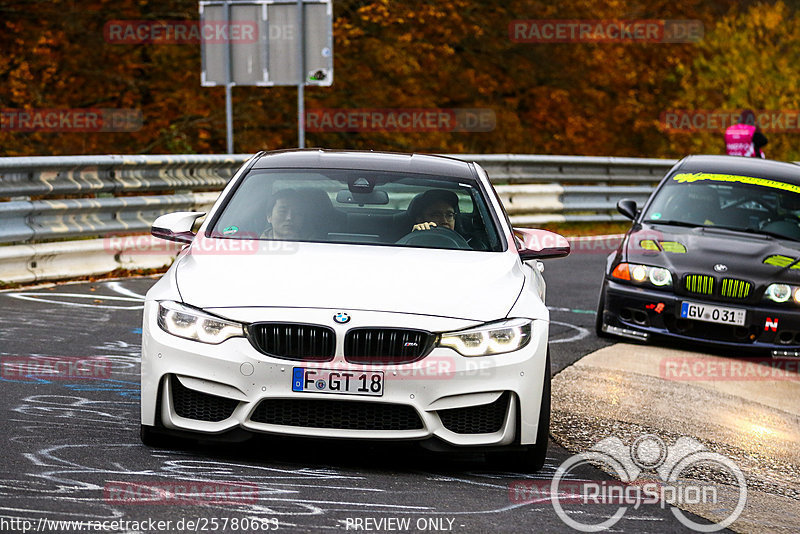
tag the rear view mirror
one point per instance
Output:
(534, 244)
(373, 197)
(176, 226)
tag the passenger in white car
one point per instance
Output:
(288, 216)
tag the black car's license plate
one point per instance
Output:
(713, 314)
(368, 383)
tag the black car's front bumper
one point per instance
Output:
(640, 313)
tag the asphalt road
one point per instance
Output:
(68, 444)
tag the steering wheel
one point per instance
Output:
(439, 237)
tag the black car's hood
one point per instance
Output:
(742, 254)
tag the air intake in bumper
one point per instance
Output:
(191, 404)
(483, 419)
(343, 415)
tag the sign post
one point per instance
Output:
(266, 43)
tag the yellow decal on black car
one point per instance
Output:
(764, 182)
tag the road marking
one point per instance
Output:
(581, 333)
(39, 297)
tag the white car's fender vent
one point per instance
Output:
(387, 345)
(343, 415)
(293, 341)
(191, 404)
(483, 419)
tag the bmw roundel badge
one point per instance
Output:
(341, 318)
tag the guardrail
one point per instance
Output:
(535, 190)
(55, 198)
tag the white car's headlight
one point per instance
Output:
(488, 339)
(189, 323)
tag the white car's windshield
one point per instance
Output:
(359, 207)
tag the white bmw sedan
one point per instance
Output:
(361, 295)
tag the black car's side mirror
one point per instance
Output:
(627, 207)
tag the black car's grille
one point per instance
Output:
(192, 404)
(735, 289)
(338, 414)
(484, 419)
(386, 345)
(709, 286)
(293, 341)
(699, 284)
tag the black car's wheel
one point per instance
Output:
(532, 457)
(601, 308)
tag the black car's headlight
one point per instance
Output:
(782, 293)
(643, 274)
(189, 323)
(488, 339)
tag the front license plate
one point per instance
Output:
(338, 382)
(712, 314)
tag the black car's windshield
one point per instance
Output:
(359, 207)
(743, 203)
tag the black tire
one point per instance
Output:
(151, 437)
(601, 308)
(532, 458)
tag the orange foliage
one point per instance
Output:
(567, 98)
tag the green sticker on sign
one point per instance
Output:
(230, 230)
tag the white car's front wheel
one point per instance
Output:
(532, 457)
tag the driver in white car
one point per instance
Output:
(433, 208)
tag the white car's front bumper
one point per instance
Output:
(226, 383)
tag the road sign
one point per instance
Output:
(259, 42)
(266, 42)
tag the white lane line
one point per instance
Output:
(116, 286)
(581, 333)
(39, 297)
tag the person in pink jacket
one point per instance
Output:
(745, 138)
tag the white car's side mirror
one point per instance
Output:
(176, 226)
(534, 244)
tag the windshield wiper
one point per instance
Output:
(673, 223)
(775, 234)
(753, 231)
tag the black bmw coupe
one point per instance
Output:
(712, 257)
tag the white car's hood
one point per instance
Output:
(478, 286)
